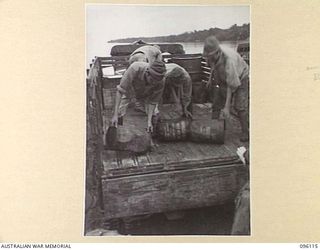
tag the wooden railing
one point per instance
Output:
(122, 62)
(200, 74)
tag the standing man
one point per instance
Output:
(142, 81)
(178, 83)
(231, 72)
(146, 53)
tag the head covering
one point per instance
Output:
(157, 70)
(211, 46)
(176, 72)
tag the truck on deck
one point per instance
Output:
(174, 175)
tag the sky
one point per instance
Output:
(106, 22)
(122, 21)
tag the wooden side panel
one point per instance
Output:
(169, 191)
(94, 147)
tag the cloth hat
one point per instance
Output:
(157, 70)
(211, 46)
(176, 72)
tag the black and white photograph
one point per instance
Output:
(167, 120)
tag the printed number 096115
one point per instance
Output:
(308, 245)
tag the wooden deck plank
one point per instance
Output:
(194, 154)
(143, 160)
(109, 159)
(232, 148)
(157, 156)
(135, 160)
(184, 153)
(173, 153)
(206, 150)
(126, 159)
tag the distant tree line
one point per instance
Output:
(234, 33)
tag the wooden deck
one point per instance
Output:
(171, 155)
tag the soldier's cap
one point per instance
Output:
(176, 72)
(157, 70)
(211, 46)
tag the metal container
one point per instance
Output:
(173, 130)
(127, 138)
(211, 130)
(208, 130)
(191, 64)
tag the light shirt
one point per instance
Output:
(149, 52)
(184, 89)
(236, 68)
(134, 84)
